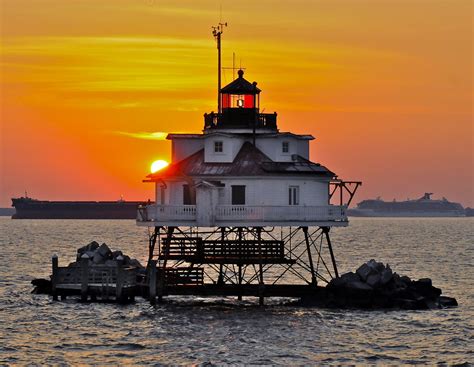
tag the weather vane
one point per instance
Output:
(217, 32)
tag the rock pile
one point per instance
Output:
(103, 255)
(375, 285)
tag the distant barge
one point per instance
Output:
(422, 207)
(28, 208)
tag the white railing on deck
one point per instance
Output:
(286, 213)
(245, 213)
(164, 213)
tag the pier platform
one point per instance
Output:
(94, 282)
(244, 290)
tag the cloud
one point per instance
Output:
(145, 135)
(108, 64)
(148, 135)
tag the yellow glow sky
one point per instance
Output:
(89, 87)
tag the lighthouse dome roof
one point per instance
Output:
(241, 86)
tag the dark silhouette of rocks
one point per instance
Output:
(375, 286)
(42, 286)
(103, 255)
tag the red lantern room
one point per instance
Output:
(240, 94)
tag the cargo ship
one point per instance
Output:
(28, 208)
(422, 207)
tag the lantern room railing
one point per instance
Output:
(239, 118)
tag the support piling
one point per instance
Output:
(54, 276)
(119, 296)
(333, 259)
(84, 277)
(152, 282)
(310, 257)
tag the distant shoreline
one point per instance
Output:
(5, 212)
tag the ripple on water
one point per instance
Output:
(225, 331)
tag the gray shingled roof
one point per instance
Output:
(250, 161)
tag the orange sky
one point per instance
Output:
(385, 86)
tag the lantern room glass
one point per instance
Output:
(239, 100)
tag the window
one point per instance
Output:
(218, 146)
(285, 147)
(189, 195)
(294, 195)
(238, 195)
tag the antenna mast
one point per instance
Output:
(216, 32)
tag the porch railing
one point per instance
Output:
(158, 213)
(286, 213)
(244, 213)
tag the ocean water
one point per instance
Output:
(35, 330)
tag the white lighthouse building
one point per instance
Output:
(241, 209)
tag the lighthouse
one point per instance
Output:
(241, 210)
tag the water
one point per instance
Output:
(186, 331)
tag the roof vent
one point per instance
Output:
(294, 157)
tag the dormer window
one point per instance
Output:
(218, 147)
(285, 147)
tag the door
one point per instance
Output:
(238, 194)
(189, 195)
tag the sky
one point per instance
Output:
(89, 89)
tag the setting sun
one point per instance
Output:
(158, 165)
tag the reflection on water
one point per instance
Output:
(199, 330)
